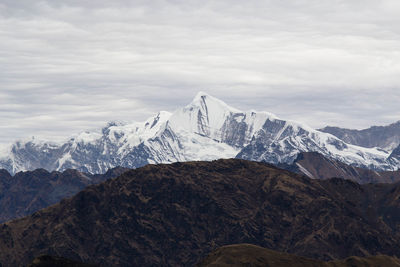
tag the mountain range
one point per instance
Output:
(385, 137)
(206, 129)
(176, 214)
(30, 191)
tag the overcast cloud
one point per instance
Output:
(68, 66)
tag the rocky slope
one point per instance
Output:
(27, 192)
(176, 214)
(385, 137)
(316, 166)
(249, 255)
(205, 129)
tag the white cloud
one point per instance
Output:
(66, 66)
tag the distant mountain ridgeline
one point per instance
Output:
(176, 214)
(385, 137)
(205, 129)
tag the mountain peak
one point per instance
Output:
(204, 100)
(205, 129)
(201, 94)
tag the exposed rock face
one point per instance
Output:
(242, 255)
(205, 129)
(395, 155)
(385, 137)
(31, 191)
(176, 214)
(316, 166)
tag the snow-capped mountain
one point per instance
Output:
(206, 129)
(281, 141)
(386, 137)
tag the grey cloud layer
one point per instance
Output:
(67, 66)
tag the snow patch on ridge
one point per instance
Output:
(87, 137)
(305, 171)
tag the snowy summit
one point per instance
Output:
(205, 129)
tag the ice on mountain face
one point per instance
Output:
(204, 116)
(206, 129)
(280, 141)
(212, 118)
(385, 137)
(193, 147)
(61, 162)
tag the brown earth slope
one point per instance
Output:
(316, 166)
(241, 255)
(176, 214)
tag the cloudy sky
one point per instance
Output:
(67, 66)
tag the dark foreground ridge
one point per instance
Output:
(249, 255)
(27, 192)
(176, 214)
